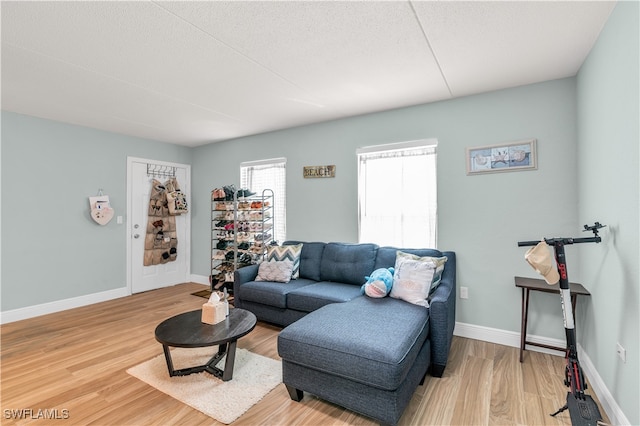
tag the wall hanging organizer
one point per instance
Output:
(101, 210)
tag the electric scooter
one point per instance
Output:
(582, 408)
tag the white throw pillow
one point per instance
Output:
(275, 271)
(416, 277)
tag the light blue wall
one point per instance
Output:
(51, 248)
(480, 217)
(609, 183)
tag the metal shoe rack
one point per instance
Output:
(241, 230)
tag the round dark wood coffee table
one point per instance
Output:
(188, 331)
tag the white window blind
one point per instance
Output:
(269, 174)
(397, 194)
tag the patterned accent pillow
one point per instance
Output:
(415, 278)
(292, 253)
(276, 271)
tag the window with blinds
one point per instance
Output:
(397, 194)
(269, 174)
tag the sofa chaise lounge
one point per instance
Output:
(362, 353)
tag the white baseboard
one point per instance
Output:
(506, 338)
(200, 279)
(61, 305)
(613, 410)
(510, 338)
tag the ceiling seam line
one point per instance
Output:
(283, 78)
(435, 57)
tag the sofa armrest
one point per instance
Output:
(443, 316)
(241, 276)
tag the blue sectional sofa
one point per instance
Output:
(365, 354)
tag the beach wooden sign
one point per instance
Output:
(319, 171)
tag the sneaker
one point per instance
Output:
(262, 237)
(245, 193)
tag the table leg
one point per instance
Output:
(523, 325)
(167, 357)
(230, 361)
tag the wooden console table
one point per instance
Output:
(528, 284)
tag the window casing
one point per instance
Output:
(397, 194)
(269, 174)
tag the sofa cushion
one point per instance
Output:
(270, 293)
(386, 256)
(309, 258)
(371, 341)
(314, 296)
(347, 263)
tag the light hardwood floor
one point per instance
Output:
(77, 360)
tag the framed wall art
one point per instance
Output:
(505, 157)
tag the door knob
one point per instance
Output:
(136, 236)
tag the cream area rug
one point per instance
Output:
(254, 376)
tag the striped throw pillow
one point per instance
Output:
(292, 253)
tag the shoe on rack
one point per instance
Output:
(218, 194)
(229, 191)
(263, 237)
(246, 192)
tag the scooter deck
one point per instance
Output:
(583, 412)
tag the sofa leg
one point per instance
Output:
(295, 394)
(437, 370)
(423, 378)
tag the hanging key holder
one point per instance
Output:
(101, 210)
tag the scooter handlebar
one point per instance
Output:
(552, 241)
(527, 243)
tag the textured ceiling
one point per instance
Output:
(192, 73)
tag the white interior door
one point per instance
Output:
(144, 278)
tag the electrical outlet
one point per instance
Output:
(622, 352)
(464, 292)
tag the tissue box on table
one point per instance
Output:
(214, 311)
